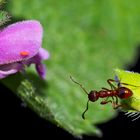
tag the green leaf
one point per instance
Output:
(86, 39)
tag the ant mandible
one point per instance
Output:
(115, 92)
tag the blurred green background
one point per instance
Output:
(87, 39)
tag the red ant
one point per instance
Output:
(115, 92)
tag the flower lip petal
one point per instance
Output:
(9, 69)
(4, 74)
(25, 36)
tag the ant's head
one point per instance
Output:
(92, 96)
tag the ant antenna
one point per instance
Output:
(79, 85)
(83, 114)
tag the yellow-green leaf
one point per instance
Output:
(133, 81)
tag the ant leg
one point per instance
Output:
(105, 89)
(119, 84)
(110, 83)
(115, 104)
(116, 100)
(105, 101)
(129, 84)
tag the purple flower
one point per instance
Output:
(20, 46)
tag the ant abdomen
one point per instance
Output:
(124, 92)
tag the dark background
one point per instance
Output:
(17, 121)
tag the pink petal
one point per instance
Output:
(20, 41)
